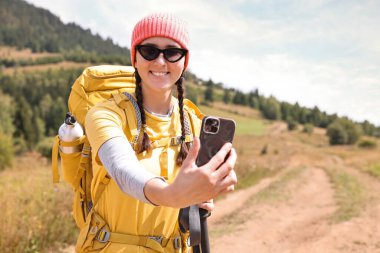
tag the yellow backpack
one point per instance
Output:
(96, 84)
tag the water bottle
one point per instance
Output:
(70, 131)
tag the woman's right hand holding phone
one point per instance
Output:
(193, 184)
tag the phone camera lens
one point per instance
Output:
(212, 125)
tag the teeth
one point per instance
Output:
(158, 73)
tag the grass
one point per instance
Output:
(373, 170)
(36, 216)
(244, 125)
(349, 194)
(253, 176)
(251, 167)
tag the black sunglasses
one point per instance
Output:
(150, 53)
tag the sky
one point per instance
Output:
(323, 53)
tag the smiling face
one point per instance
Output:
(158, 75)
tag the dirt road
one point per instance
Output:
(300, 209)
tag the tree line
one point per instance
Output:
(341, 130)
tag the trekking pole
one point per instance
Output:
(205, 244)
(195, 220)
(196, 249)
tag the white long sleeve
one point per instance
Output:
(122, 165)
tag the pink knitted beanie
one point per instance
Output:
(160, 25)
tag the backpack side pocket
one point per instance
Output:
(77, 172)
(70, 165)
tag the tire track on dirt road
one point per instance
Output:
(235, 201)
(292, 225)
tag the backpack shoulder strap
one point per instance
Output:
(194, 114)
(132, 112)
(190, 105)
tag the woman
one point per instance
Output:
(138, 209)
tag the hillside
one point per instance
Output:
(26, 26)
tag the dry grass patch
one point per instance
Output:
(44, 67)
(373, 170)
(13, 53)
(315, 140)
(251, 166)
(36, 216)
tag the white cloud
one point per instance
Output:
(331, 87)
(318, 52)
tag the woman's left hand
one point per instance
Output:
(207, 205)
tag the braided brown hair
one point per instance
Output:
(184, 146)
(144, 142)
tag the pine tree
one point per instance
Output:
(6, 130)
(227, 96)
(209, 92)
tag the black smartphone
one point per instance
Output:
(215, 132)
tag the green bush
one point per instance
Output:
(20, 145)
(308, 128)
(337, 134)
(369, 144)
(292, 124)
(343, 131)
(45, 146)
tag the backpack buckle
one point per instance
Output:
(175, 141)
(156, 238)
(177, 243)
(103, 236)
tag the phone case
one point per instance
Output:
(212, 142)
